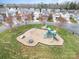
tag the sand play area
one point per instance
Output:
(34, 36)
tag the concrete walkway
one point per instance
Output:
(3, 28)
(70, 27)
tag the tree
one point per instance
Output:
(42, 5)
(66, 5)
(72, 5)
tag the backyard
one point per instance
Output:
(10, 48)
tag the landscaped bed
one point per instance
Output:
(73, 20)
(10, 48)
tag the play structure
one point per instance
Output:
(49, 33)
(43, 35)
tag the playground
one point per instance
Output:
(34, 36)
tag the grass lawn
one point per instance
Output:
(10, 48)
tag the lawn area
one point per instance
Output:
(10, 48)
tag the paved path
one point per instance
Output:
(70, 27)
(3, 28)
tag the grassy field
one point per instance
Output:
(10, 48)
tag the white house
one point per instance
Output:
(36, 15)
(12, 12)
(67, 17)
(55, 16)
(49, 10)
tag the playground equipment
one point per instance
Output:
(49, 33)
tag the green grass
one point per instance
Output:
(50, 20)
(10, 48)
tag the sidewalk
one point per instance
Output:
(3, 28)
(70, 27)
